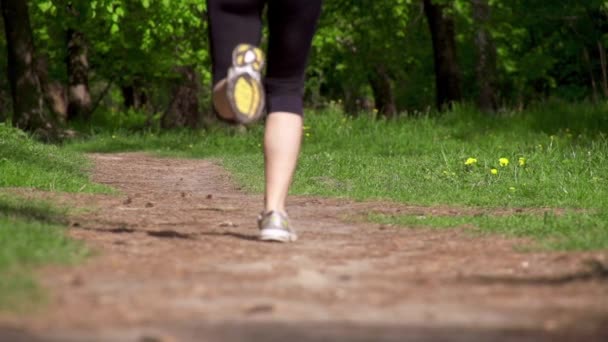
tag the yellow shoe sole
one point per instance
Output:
(245, 90)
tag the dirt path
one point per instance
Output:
(178, 261)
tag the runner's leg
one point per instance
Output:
(292, 25)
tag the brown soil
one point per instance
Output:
(178, 260)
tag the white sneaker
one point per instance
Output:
(274, 226)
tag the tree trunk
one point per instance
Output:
(587, 58)
(604, 65)
(486, 58)
(382, 88)
(134, 96)
(28, 105)
(128, 96)
(184, 108)
(79, 96)
(54, 92)
(447, 72)
(5, 104)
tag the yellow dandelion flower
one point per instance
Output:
(503, 162)
(494, 171)
(522, 161)
(470, 161)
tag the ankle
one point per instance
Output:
(275, 209)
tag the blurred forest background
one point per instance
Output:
(145, 63)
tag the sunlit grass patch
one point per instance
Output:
(568, 231)
(25, 162)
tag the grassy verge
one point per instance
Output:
(553, 155)
(25, 162)
(570, 231)
(33, 233)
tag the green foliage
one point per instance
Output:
(544, 49)
(129, 41)
(356, 37)
(130, 120)
(540, 47)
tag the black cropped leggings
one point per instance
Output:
(291, 25)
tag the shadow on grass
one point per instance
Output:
(580, 122)
(554, 116)
(26, 209)
(31, 235)
(21, 147)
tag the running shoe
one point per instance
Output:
(274, 226)
(245, 91)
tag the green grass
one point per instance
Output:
(570, 231)
(25, 162)
(420, 159)
(32, 233)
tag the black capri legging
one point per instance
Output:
(291, 25)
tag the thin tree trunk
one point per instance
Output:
(103, 94)
(184, 109)
(447, 71)
(79, 96)
(591, 77)
(28, 104)
(382, 88)
(603, 62)
(128, 96)
(486, 58)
